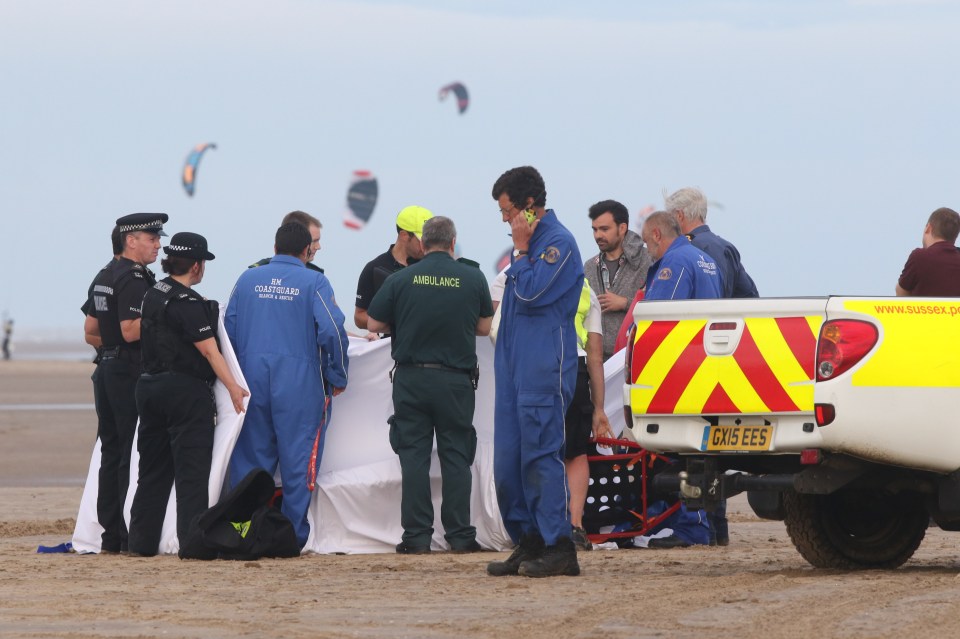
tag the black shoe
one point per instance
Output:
(668, 542)
(403, 548)
(557, 561)
(579, 537)
(723, 541)
(531, 547)
(473, 546)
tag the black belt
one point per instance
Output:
(439, 367)
(474, 374)
(119, 352)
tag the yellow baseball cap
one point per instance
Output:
(411, 219)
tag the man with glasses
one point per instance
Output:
(405, 251)
(536, 371)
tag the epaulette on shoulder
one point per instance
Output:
(464, 260)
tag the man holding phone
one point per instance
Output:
(536, 372)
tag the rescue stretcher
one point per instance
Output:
(621, 491)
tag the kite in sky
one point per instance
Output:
(361, 199)
(463, 98)
(190, 166)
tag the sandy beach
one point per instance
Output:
(757, 587)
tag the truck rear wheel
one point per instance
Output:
(855, 529)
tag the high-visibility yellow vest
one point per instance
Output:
(583, 307)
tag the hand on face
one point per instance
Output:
(520, 229)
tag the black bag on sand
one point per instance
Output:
(243, 525)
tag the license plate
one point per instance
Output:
(737, 438)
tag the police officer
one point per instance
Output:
(181, 360)
(536, 371)
(433, 382)
(117, 296)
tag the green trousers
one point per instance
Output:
(427, 402)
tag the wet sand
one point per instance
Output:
(757, 587)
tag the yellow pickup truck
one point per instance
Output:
(838, 415)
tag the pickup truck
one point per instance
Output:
(839, 416)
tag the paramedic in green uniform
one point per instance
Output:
(434, 309)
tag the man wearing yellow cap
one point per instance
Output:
(405, 251)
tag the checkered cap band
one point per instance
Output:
(145, 226)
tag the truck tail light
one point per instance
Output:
(842, 344)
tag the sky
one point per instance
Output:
(824, 132)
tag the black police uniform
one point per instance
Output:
(177, 412)
(117, 296)
(433, 307)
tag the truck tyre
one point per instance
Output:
(855, 529)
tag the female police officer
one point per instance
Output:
(181, 360)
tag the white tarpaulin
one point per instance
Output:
(356, 506)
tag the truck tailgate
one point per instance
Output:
(747, 363)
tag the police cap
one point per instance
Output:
(147, 222)
(190, 245)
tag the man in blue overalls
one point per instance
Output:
(680, 271)
(288, 334)
(536, 373)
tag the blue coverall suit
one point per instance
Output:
(288, 334)
(683, 273)
(536, 373)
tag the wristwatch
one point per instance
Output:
(519, 252)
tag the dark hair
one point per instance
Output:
(116, 238)
(291, 239)
(519, 184)
(614, 208)
(438, 232)
(301, 217)
(945, 224)
(177, 264)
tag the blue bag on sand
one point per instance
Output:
(64, 547)
(689, 525)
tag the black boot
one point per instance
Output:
(557, 560)
(530, 547)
